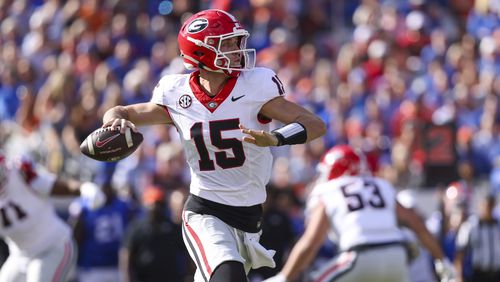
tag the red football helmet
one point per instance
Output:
(201, 38)
(340, 160)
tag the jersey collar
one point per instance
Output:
(211, 103)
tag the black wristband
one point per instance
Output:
(290, 134)
(280, 138)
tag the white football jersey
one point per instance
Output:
(361, 210)
(28, 220)
(223, 168)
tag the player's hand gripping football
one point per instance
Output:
(120, 122)
(260, 138)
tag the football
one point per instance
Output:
(105, 144)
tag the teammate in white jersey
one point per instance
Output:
(221, 112)
(360, 213)
(40, 243)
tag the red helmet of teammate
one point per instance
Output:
(201, 38)
(340, 160)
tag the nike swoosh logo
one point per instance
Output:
(234, 99)
(100, 143)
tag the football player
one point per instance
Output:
(40, 243)
(222, 112)
(362, 214)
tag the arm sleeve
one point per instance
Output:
(325, 195)
(44, 183)
(158, 92)
(312, 200)
(330, 203)
(271, 85)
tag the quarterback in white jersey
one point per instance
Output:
(237, 172)
(40, 243)
(221, 112)
(362, 214)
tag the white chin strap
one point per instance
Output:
(197, 63)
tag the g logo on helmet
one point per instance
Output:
(197, 25)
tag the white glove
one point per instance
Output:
(445, 270)
(277, 278)
(92, 195)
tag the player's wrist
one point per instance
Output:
(274, 140)
(117, 112)
(290, 134)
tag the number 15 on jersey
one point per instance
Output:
(222, 158)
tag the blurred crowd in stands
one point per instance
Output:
(414, 84)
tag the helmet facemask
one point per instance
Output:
(222, 60)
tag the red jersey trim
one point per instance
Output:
(211, 103)
(263, 119)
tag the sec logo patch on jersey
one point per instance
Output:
(185, 101)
